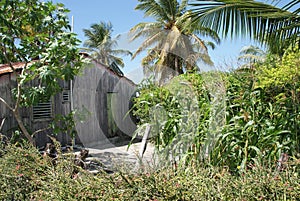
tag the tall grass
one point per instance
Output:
(238, 119)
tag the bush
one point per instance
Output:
(178, 114)
(254, 132)
(25, 175)
(21, 169)
(237, 119)
(262, 120)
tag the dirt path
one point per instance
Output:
(119, 157)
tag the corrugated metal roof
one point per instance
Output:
(7, 68)
(114, 72)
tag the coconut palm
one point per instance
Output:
(172, 40)
(273, 26)
(102, 46)
(251, 55)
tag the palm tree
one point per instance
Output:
(172, 40)
(102, 46)
(273, 26)
(251, 55)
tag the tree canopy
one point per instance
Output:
(276, 27)
(102, 46)
(37, 34)
(172, 39)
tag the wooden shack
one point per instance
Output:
(107, 95)
(101, 96)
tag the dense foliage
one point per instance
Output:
(174, 42)
(178, 114)
(36, 35)
(260, 121)
(25, 175)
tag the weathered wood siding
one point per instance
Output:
(101, 92)
(91, 91)
(7, 84)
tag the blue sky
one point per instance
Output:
(123, 16)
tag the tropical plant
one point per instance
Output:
(173, 39)
(252, 134)
(36, 34)
(276, 27)
(102, 46)
(25, 175)
(178, 115)
(251, 55)
(280, 82)
(262, 119)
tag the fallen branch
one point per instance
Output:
(2, 124)
(38, 131)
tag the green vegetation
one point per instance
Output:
(25, 175)
(258, 115)
(36, 34)
(218, 135)
(102, 46)
(245, 118)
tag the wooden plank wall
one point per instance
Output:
(7, 83)
(90, 92)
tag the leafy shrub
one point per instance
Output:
(262, 118)
(178, 114)
(253, 133)
(25, 175)
(20, 170)
(251, 122)
(280, 81)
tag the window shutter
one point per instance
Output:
(42, 111)
(66, 96)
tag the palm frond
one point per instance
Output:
(170, 8)
(101, 45)
(151, 8)
(183, 6)
(291, 5)
(210, 44)
(121, 52)
(144, 30)
(258, 20)
(154, 39)
(200, 43)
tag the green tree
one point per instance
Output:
(273, 26)
(102, 46)
(36, 34)
(251, 55)
(173, 39)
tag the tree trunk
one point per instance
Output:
(176, 64)
(22, 127)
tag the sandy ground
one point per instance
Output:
(121, 157)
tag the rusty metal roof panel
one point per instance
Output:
(7, 68)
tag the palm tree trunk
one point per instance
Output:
(176, 65)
